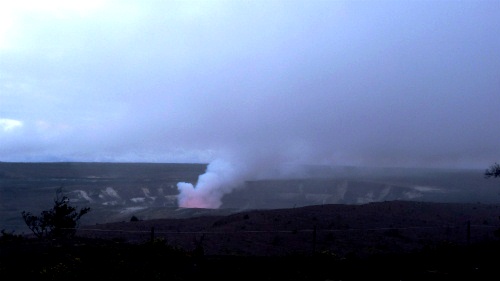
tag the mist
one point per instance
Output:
(254, 88)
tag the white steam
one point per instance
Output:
(235, 166)
(220, 178)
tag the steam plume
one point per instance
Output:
(220, 178)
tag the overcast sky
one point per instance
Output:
(378, 83)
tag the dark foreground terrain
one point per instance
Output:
(84, 259)
(393, 240)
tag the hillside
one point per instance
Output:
(342, 229)
(392, 240)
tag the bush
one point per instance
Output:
(493, 171)
(10, 236)
(59, 222)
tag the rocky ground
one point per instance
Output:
(342, 230)
(394, 240)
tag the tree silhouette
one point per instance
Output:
(59, 222)
(493, 171)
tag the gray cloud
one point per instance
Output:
(263, 82)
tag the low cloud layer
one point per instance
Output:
(9, 124)
(262, 85)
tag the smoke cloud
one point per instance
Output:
(223, 175)
(220, 178)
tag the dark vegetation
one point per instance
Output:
(59, 222)
(58, 252)
(493, 171)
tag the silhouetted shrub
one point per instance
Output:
(493, 171)
(10, 236)
(59, 222)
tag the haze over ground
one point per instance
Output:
(251, 86)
